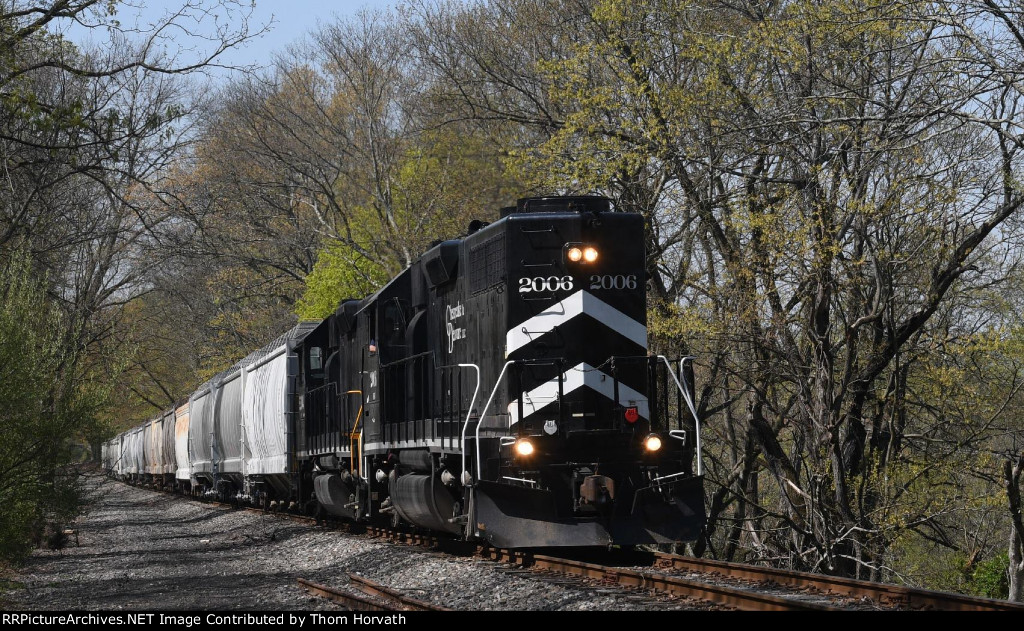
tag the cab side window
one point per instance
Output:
(315, 365)
(393, 332)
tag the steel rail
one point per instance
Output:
(400, 600)
(745, 599)
(883, 593)
(354, 602)
(376, 597)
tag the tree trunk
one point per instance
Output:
(1011, 475)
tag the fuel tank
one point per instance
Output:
(336, 493)
(424, 501)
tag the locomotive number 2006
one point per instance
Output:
(545, 283)
(613, 282)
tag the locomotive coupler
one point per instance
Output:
(597, 491)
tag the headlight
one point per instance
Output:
(580, 253)
(524, 447)
(652, 442)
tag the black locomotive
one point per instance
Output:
(501, 388)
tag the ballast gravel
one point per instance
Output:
(141, 550)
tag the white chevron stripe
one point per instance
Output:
(573, 379)
(579, 303)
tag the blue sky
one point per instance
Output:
(289, 20)
(294, 18)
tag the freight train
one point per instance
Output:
(500, 388)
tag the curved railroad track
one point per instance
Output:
(656, 583)
(884, 594)
(662, 575)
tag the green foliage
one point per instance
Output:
(443, 180)
(989, 578)
(955, 572)
(785, 190)
(42, 412)
(340, 272)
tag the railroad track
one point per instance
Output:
(803, 590)
(742, 594)
(886, 595)
(373, 596)
(748, 584)
(662, 584)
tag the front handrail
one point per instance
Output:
(479, 466)
(689, 404)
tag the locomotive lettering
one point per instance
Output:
(454, 333)
(545, 283)
(613, 282)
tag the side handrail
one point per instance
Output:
(412, 358)
(469, 413)
(479, 466)
(689, 403)
(356, 434)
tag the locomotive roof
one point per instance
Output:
(365, 302)
(525, 207)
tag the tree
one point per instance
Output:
(826, 195)
(338, 175)
(75, 107)
(1011, 475)
(44, 406)
(86, 138)
(810, 176)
